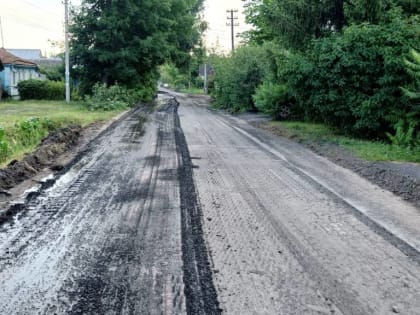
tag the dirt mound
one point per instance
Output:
(50, 148)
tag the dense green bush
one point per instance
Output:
(41, 90)
(56, 90)
(274, 100)
(118, 97)
(237, 77)
(32, 89)
(351, 80)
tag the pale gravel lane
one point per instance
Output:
(291, 233)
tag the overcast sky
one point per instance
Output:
(35, 23)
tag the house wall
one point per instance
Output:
(12, 75)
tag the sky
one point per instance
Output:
(219, 34)
(36, 24)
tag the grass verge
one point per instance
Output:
(369, 150)
(192, 90)
(26, 123)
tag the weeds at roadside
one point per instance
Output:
(369, 150)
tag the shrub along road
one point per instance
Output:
(200, 213)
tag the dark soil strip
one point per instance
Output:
(51, 147)
(200, 292)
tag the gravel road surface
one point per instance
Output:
(108, 236)
(290, 232)
(183, 210)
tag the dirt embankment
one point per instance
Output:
(45, 155)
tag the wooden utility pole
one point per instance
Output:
(232, 25)
(67, 55)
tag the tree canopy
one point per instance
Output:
(295, 22)
(125, 41)
(349, 64)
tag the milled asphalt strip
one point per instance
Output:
(200, 292)
(393, 234)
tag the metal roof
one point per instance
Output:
(8, 58)
(29, 54)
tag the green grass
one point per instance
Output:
(192, 90)
(60, 114)
(369, 150)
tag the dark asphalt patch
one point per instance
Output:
(200, 292)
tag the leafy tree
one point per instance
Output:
(183, 74)
(238, 76)
(376, 11)
(124, 41)
(351, 81)
(171, 75)
(293, 22)
(296, 22)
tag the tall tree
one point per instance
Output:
(125, 41)
(294, 21)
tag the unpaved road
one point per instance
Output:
(200, 213)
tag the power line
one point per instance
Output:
(38, 7)
(27, 22)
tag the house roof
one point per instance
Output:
(29, 54)
(8, 58)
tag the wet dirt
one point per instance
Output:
(45, 155)
(118, 232)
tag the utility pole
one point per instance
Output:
(67, 55)
(205, 79)
(1, 33)
(232, 25)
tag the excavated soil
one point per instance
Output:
(44, 156)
